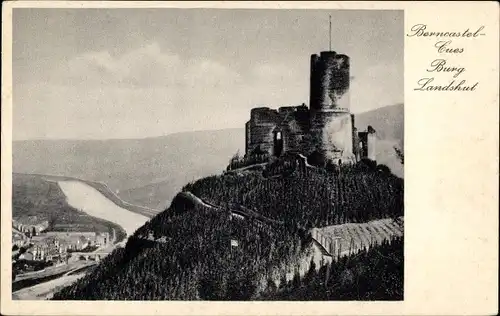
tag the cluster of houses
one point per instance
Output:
(44, 245)
(30, 227)
(23, 231)
(55, 245)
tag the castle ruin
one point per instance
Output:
(325, 129)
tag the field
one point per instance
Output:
(364, 235)
(36, 199)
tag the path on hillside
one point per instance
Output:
(351, 236)
(329, 243)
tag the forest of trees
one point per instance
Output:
(318, 198)
(376, 274)
(197, 252)
(196, 259)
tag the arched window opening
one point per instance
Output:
(278, 143)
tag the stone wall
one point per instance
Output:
(367, 144)
(292, 122)
(372, 153)
(262, 123)
(328, 132)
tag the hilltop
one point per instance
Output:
(151, 171)
(246, 234)
(388, 121)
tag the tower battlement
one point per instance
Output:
(330, 81)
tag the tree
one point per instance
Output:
(400, 154)
(234, 160)
(384, 169)
(316, 159)
(369, 164)
(52, 222)
(258, 151)
(311, 272)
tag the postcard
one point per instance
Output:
(249, 158)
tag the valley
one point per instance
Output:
(180, 214)
(80, 197)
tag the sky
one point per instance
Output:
(135, 73)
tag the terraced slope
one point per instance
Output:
(355, 236)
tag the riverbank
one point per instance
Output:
(105, 190)
(84, 197)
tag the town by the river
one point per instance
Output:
(49, 260)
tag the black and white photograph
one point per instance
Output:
(204, 154)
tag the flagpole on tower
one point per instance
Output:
(330, 32)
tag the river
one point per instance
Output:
(84, 197)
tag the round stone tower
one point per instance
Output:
(331, 121)
(330, 80)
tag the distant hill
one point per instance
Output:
(151, 171)
(387, 121)
(389, 124)
(146, 171)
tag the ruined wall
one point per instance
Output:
(363, 144)
(355, 144)
(354, 137)
(368, 143)
(248, 143)
(372, 152)
(329, 82)
(295, 126)
(292, 122)
(327, 127)
(260, 129)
